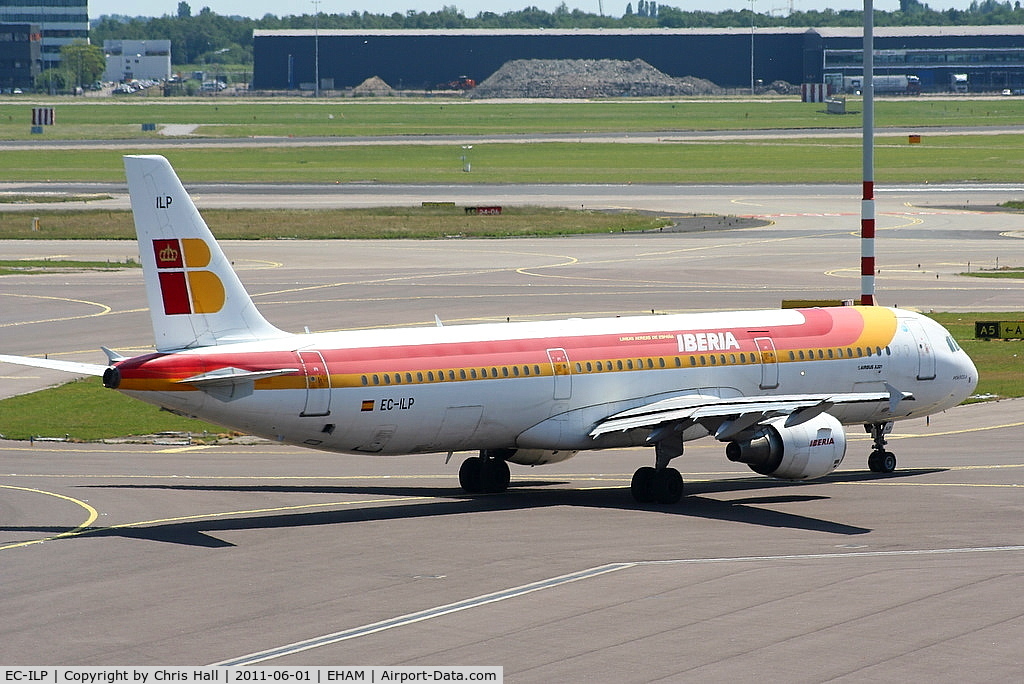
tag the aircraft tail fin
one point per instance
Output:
(195, 298)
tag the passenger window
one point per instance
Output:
(365, 381)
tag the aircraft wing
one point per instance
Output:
(54, 364)
(727, 417)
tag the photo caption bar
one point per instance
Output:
(239, 675)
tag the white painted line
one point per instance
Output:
(553, 582)
(419, 616)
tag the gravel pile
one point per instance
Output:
(580, 78)
(373, 86)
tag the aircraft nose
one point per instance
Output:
(967, 372)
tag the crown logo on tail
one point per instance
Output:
(168, 255)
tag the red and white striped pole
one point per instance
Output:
(867, 204)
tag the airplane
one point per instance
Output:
(777, 387)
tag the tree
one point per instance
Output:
(83, 63)
(184, 10)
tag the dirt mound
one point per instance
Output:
(373, 87)
(583, 78)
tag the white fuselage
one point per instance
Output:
(543, 386)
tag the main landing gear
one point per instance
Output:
(485, 474)
(880, 460)
(660, 484)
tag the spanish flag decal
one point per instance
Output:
(187, 287)
(367, 405)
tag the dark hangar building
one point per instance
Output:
(992, 56)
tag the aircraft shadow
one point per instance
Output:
(523, 495)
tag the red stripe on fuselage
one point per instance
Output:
(833, 327)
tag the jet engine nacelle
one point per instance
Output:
(799, 452)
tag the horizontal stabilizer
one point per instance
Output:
(225, 377)
(53, 364)
(229, 384)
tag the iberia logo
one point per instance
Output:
(187, 287)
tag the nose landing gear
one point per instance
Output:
(880, 460)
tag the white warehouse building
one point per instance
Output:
(137, 59)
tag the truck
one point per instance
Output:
(958, 83)
(885, 84)
(460, 83)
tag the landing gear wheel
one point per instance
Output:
(642, 486)
(657, 486)
(469, 475)
(882, 462)
(484, 475)
(494, 475)
(668, 486)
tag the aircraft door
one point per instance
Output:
(769, 362)
(318, 384)
(925, 355)
(561, 372)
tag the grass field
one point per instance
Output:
(8, 266)
(938, 159)
(384, 223)
(84, 410)
(813, 160)
(118, 119)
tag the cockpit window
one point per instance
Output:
(953, 346)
